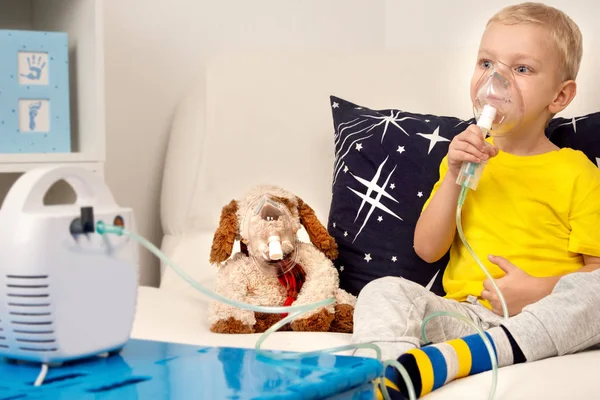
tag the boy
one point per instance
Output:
(535, 215)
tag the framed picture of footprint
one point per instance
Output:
(34, 92)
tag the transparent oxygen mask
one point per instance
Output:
(498, 104)
(498, 107)
(270, 233)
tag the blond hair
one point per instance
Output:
(563, 30)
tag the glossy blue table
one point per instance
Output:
(157, 370)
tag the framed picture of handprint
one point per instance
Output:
(34, 92)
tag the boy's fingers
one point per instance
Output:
(464, 156)
(487, 295)
(475, 129)
(475, 140)
(471, 148)
(491, 150)
(487, 284)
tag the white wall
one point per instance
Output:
(155, 48)
(424, 25)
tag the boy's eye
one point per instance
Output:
(522, 69)
(485, 63)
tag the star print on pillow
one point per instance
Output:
(386, 163)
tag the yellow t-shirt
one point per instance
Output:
(539, 212)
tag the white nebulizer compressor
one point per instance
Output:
(66, 292)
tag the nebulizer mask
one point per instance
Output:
(272, 242)
(498, 108)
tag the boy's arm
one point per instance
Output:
(521, 289)
(436, 226)
(547, 284)
(591, 264)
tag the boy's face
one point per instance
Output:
(529, 52)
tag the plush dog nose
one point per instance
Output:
(275, 252)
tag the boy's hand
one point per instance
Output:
(518, 288)
(468, 146)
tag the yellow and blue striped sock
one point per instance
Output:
(432, 366)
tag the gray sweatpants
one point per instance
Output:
(389, 313)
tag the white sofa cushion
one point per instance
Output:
(267, 119)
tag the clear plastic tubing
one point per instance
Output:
(461, 200)
(468, 178)
(294, 312)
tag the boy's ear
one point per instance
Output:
(564, 96)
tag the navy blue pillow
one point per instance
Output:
(580, 133)
(386, 164)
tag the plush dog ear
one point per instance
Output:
(225, 234)
(316, 231)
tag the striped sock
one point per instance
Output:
(432, 366)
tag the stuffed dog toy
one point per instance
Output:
(273, 268)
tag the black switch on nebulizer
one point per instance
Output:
(87, 219)
(83, 224)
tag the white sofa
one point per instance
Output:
(267, 118)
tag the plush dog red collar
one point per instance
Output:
(293, 279)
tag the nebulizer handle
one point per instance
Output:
(470, 172)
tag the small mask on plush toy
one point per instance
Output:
(272, 242)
